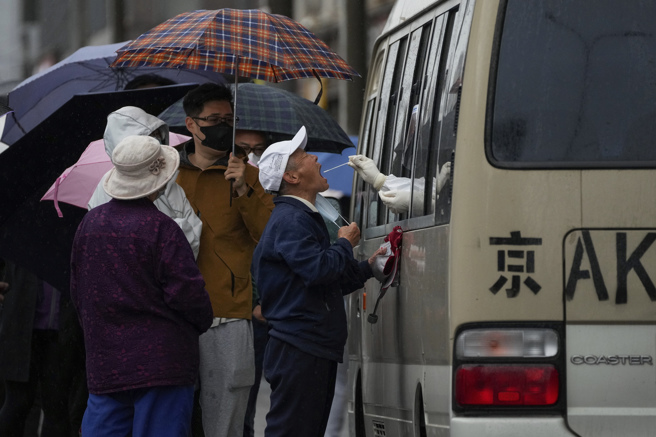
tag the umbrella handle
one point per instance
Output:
(59, 213)
(234, 124)
(318, 98)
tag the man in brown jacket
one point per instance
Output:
(231, 229)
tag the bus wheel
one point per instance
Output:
(359, 409)
(419, 419)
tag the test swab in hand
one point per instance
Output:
(331, 169)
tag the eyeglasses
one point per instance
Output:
(213, 120)
(256, 150)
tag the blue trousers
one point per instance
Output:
(302, 390)
(144, 412)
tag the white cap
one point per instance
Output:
(274, 160)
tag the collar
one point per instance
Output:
(189, 148)
(305, 202)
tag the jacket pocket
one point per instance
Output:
(236, 259)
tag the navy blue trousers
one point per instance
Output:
(260, 338)
(302, 390)
(144, 412)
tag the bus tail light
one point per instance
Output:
(517, 342)
(508, 368)
(497, 385)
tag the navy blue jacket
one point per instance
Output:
(301, 278)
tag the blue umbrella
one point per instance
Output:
(281, 114)
(86, 70)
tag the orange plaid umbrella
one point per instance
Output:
(247, 43)
(240, 42)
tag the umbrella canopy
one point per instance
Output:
(78, 182)
(240, 42)
(86, 70)
(31, 234)
(280, 113)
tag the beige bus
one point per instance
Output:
(525, 302)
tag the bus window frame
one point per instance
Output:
(462, 26)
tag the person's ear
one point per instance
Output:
(190, 123)
(291, 177)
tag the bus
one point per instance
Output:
(525, 299)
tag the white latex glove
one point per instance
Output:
(367, 170)
(445, 172)
(398, 201)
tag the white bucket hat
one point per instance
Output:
(273, 161)
(142, 166)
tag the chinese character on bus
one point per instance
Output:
(516, 261)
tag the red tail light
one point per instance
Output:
(498, 385)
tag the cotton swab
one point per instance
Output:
(331, 169)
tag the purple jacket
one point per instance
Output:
(139, 296)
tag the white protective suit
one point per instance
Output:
(395, 191)
(131, 120)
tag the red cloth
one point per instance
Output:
(395, 239)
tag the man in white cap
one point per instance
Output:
(302, 278)
(141, 301)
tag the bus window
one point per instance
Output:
(361, 192)
(571, 91)
(403, 145)
(415, 130)
(376, 214)
(427, 147)
(446, 115)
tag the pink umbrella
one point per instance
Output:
(78, 182)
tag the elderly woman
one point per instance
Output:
(141, 301)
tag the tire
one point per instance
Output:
(419, 419)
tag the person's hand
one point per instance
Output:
(445, 172)
(350, 232)
(235, 171)
(367, 170)
(257, 313)
(378, 252)
(398, 201)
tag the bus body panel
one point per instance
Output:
(568, 248)
(610, 372)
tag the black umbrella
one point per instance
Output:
(281, 114)
(31, 234)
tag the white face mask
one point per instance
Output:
(327, 210)
(252, 157)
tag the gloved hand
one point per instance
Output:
(398, 201)
(367, 170)
(445, 172)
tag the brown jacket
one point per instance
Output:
(229, 233)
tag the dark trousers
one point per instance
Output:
(260, 337)
(59, 374)
(302, 390)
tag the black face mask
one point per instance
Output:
(217, 137)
